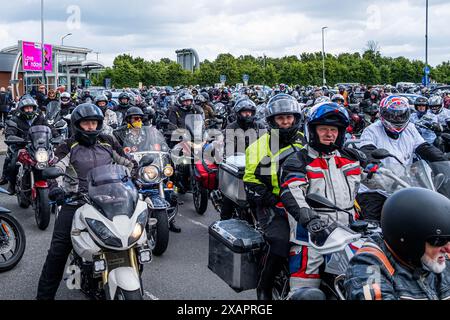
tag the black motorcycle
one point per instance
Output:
(12, 239)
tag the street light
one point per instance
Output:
(42, 43)
(62, 39)
(426, 46)
(323, 56)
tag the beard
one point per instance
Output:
(433, 265)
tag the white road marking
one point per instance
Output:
(194, 222)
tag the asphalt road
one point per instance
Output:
(180, 274)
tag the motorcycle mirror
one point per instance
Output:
(318, 201)
(60, 124)
(381, 154)
(14, 140)
(52, 173)
(439, 180)
(146, 160)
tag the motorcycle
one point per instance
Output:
(392, 177)
(55, 122)
(108, 235)
(12, 239)
(31, 187)
(155, 188)
(185, 155)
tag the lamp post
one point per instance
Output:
(426, 46)
(42, 43)
(62, 39)
(323, 56)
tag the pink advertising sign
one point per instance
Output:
(32, 56)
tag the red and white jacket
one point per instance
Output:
(335, 176)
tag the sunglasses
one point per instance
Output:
(438, 241)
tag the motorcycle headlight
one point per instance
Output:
(103, 233)
(168, 171)
(41, 155)
(150, 173)
(138, 228)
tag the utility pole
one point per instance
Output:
(426, 46)
(42, 44)
(323, 56)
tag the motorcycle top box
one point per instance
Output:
(231, 184)
(234, 249)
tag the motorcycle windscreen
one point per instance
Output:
(112, 191)
(195, 125)
(53, 109)
(442, 168)
(39, 137)
(147, 138)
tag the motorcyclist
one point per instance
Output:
(67, 105)
(370, 106)
(27, 116)
(426, 122)
(410, 260)
(344, 93)
(110, 118)
(239, 135)
(122, 108)
(436, 105)
(86, 96)
(208, 111)
(131, 131)
(263, 159)
(396, 134)
(87, 149)
(326, 168)
(338, 98)
(111, 103)
(50, 97)
(184, 106)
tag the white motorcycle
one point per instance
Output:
(108, 236)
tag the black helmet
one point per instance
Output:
(284, 104)
(410, 218)
(206, 95)
(245, 104)
(436, 103)
(108, 94)
(375, 93)
(200, 99)
(329, 114)
(86, 111)
(185, 96)
(27, 100)
(421, 101)
(124, 95)
(133, 111)
(99, 98)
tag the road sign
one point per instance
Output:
(107, 83)
(425, 80)
(426, 70)
(223, 78)
(246, 77)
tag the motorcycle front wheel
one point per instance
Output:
(128, 295)
(158, 235)
(42, 210)
(200, 196)
(12, 242)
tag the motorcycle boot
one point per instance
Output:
(271, 267)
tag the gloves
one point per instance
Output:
(57, 195)
(316, 225)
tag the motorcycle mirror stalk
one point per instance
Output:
(381, 154)
(54, 172)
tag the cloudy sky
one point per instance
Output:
(155, 29)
